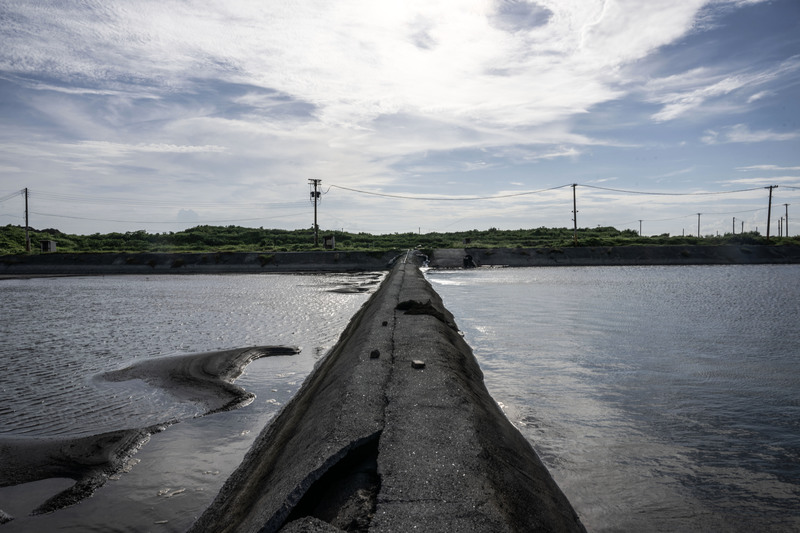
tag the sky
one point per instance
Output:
(416, 116)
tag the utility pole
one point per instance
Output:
(574, 215)
(769, 209)
(786, 218)
(742, 226)
(734, 225)
(27, 235)
(780, 227)
(640, 228)
(315, 196)
(698, 225)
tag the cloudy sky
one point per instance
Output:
(415, 115)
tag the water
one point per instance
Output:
(59, 335)
(660, 398)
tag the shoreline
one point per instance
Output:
(93, 264)
(618, 256)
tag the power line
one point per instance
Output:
(735, 212)
(446, 199)
(685, 216)
(163, 221)
(670, 193)
(85, 199)
(10, 196)
(527, 193)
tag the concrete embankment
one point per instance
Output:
(66, 264)
(393, 431)
(71, 264)
(618, 255)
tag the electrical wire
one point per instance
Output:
(442, 199)
(164, 221)
(685, 216)
(85, 199)
(669, 193)
(10, 196)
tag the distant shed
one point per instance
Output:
(48, 246)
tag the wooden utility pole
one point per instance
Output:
(734, 225)
(315, 195)
(574, 216)
(27, 235)
(769, 209)
(786, 218)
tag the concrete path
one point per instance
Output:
(394, 431)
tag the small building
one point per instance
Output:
(329, 242)
(48, 246)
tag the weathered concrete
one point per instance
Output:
(371, 443)
(58, 264)
(618, 255)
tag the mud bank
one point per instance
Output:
(618, 255)
(68, 264)
(393, 431)
(205, 378)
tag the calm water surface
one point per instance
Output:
(660, 398)
(60, 334)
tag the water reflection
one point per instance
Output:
(89, 326)
(660, 398)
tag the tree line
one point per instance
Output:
(241, 239)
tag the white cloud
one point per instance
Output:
(758, 96)
(252, 98)
(111, 148)
(356, 60)
(764, 181)
(688, 92)
(187, 215)
(741, 133)
(766, 167)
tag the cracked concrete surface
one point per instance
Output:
(373, 442)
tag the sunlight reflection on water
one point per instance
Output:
(660, 398)
(60, 334)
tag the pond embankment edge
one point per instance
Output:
(87, 264)
(393, 431)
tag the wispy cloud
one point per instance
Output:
(765, 181)
(688, 92)
(109, 148)
(255, 97)
(775, 168)
(741, 133)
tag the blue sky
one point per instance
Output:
(127, 115)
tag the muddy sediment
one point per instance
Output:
(205, 378)
(393, 431)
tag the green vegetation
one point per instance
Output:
(239, 239)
